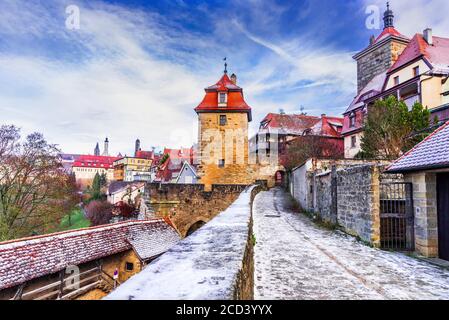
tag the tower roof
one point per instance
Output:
(388, 17)
(235, 99)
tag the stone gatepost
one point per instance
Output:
(375, 206)
(425, 206)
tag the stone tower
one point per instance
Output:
(223, 118)
(381, 53)
(106, 148)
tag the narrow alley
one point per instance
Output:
(296, 259)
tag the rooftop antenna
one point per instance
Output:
(226, 66)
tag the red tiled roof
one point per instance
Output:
(95, 161)
(293, 124)
(26, 259)
(236, 101)
(437, 54)
(329, 127)
(174, 163)
(387, 32)
(149, 155)
(432, 152)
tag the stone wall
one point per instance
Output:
(323, 197)
(187, 204)
(345, 193)
(358, 202)
(214, 263)
(376, 60)
(426, 217)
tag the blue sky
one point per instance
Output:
(138, 68)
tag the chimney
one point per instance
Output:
(372, 39)
(234, 79)
(428, 36)
(323, 115)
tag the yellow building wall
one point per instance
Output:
(119, 261)
(431, 93)
(213, 147)
(406, 73)
(445, 88)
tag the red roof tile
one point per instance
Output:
(387, 32)
(86, 161)
(235, 103)
(26, 259)
(437, 54)
(149, 155)
(293, 124)
(329, 127)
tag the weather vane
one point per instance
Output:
(225, 65)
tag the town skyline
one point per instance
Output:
(151, 93)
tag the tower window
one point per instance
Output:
(416, 71)
(222, 98)
(223, 120)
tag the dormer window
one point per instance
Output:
(222, 99)
(416, 71)
(352, 120)
(396, 80)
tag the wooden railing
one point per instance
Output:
(61, 290)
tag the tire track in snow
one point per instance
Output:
(367, 283)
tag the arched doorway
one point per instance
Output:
(279, 178)
(195, 227)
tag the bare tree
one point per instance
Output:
(99, 212)
(32, 185)
(309, 146)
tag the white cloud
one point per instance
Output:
(134, 73)
(413, 17)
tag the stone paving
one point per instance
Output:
(296, 259)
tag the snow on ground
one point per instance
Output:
(296, 259)
(204, 265)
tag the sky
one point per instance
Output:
(137, 69)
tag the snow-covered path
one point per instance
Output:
(295, 259)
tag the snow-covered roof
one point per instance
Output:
(26, 259)
(204, 266)
(147, 245)
(431, 153)
(372, 88)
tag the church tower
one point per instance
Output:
(223, 118)
(106, 148)
(97, 150)
(381, 53)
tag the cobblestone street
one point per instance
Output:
(296, 259)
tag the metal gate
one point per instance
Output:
(396, 216)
